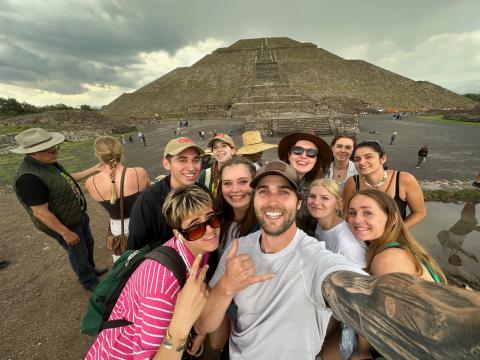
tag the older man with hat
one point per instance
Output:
(253, 147)
(182, 159)
(54, 200)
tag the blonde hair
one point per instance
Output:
(333, 187)
(109, 151)
(184, 202)
(396, 231)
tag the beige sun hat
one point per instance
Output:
(253, 143)
(36, 139)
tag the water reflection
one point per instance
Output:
(452, 235)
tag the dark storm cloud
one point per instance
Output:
(69, 42)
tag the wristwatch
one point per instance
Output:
(169, 344)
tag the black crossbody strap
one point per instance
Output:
(122, 214)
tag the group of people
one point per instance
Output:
(267, 238)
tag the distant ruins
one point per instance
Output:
(281, 85)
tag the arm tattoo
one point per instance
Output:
(404, 317)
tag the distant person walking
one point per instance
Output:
(144, 139)
(422, 155)
(122, 138)
(476, 183)
(393, 137)
(130, 139)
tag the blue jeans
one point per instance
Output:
(80, 254)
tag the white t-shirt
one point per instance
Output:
(285, 317)
(340, 240)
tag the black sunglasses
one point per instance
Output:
(298, 150)
(196, 231)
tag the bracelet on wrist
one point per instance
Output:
(169, 343)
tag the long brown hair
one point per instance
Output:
(396, 231)
(244, 226)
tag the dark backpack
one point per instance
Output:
(103, 299)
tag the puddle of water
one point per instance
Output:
(451, 234)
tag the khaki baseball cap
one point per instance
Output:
(221, 137)
(277, 167)
(176, 146)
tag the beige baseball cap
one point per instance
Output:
(221, 137)
(176, 146)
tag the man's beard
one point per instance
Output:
(289, 220)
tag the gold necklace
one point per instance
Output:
(380, 183)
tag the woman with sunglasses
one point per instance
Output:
(104, 187)
(370, 160)
(310, 156)
(374, 219)
(324, 203)
(152, 299)
(341, 168)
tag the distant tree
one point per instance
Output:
(475, 97)
(86, 107)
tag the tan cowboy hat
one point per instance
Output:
(253, 143)
(36, 139)
(286, 143)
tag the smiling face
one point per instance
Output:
(367, 220)
(209, 241)
(236, 188)
(222, 151)
(368, 161)
(342, 149)
(321, 203)
(275, 204)
(302, 163)
(184, 167)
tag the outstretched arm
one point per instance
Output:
(80, 175)
(404, 317)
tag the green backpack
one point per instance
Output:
(103, 299)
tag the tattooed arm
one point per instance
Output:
(407, 318)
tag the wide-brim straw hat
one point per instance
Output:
(286, 143)
(35, 140)
(253, 143)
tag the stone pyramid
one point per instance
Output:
(274, 77)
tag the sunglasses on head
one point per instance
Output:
(196, 231)
(376, 145)
(299, 150)
(52, 149)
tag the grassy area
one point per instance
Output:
(74, 156)
(12, 130)
(452, 195)
(441, 118)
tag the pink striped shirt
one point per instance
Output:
(148, 300)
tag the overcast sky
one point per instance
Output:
(91, 51)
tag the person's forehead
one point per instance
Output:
(344, 141)
(365, 150)
(273, 181)
(235, 171)
(188, 153)
(306, 143)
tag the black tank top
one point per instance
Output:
(114, 209)
(402, 204)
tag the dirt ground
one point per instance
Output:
(42, 303)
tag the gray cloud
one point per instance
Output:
(58, 45)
